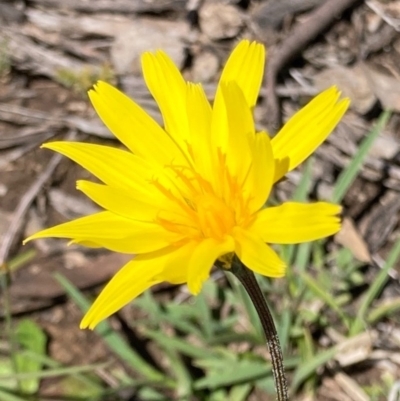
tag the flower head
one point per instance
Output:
(180, 197)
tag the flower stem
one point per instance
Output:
(249, 282)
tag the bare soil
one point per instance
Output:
(52, 51)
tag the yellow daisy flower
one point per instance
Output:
(182, 196)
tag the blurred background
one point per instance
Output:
(337, 311)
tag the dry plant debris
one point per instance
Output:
(52, 51)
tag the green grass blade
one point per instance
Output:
(50, 364)
(300, 195)
(240, 392)
(150, 305)
(30, 337)
(388, 308)
(244, 301)
(375, 288)
(179, 344)
(116, 343)
(307, 368)
(307, 350)
(21, 259)
(283, 328)
(52, 373)
(349, 174)
(324, 295)
(201, 305)
(232, 373)
(151, 394)
(227, 370)
(6, 396)
(301, 192)
(302, 261)
(184, 383)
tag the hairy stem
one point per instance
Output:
(249, 282)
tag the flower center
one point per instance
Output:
(214, 218)
(195, 210)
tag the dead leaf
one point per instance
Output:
(352, 82)
(385, 88)
(353, 350)
(350, 387)
(148, 35)
(205, 67)
(384, 147)
(350, 238)
(220, 21)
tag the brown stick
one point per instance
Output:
(301, 34)
(25, 202)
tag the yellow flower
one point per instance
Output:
(182, 196)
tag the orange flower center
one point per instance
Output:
(198, 211)
(214, 218)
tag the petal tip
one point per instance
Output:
(80, 185)
(283, 269)
(85, 324)
(89, 320)
(194, 287)
(31, 238)
(48, 145)
(344, 103)
(95, 87)
(280, 269)
(146, 58)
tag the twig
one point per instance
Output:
(25, 202)
(22, 115)
(113, 6)
(301, 35)
(14, 154)
(394, 394)
(377, 9)
(248, 280)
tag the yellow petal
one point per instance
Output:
(142, 272)
(137, 244)
(130, 204)
(245, 66)
(293, 223)
(202, 260)
(114, 167)
(176, 269)
(199, 116)
(240, 124)
(133, 126)
(259, 182)
(256, 255)
(85, 243)
(219, 124)
(117, 227)
(112, 232)
(166, 84)
(134, 278)
(306, 130)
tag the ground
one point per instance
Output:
(207, 348)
